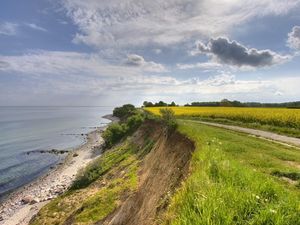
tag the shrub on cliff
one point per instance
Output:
(114, 133)
(124, 111)
(134, 122)
(168, 117)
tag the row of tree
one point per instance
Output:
(228, 103)
(158, 104)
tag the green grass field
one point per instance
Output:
(237, 179)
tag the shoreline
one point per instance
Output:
(25, 202)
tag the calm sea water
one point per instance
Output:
(27, 129)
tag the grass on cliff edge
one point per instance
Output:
(236, 179)
(97, 191)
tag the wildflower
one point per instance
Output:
(272, 211)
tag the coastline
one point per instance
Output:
(21, 205)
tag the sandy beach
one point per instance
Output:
(25, 202)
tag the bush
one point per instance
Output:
(114, 133)
(134, 122)
(124, 111)
(168, 116)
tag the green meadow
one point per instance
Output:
(236, 179)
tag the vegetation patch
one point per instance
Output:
(97, 190)
(131, 119)
(168, 117)
(102, 165)
(231, 181)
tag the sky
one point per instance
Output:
(112, 52)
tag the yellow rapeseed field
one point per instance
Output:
(272, 116)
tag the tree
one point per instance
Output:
(147, 104)
(172, 104)
(124, 111)
(225, 102)
(161, 103)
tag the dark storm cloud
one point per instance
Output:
(235, 54)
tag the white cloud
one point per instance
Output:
(84, 75)
(80, 72)
(11, 29)
(66, 63)
(36, 27)
(8, 29)
(138, 61)
(279, 93)
(227, 85)
(203, 65)
(59, 63)
(221, 80)
(123, 23)
(67, 74)
(157, 51)
(294, 38)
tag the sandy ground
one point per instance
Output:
(24, 203)
(259, 133)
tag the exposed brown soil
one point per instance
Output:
(290, 181)
(162, 170)
(294, 164)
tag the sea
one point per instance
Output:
(25, 131)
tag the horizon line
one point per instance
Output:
(57, 106)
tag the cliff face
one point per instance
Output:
(135, 181)
(161, 171)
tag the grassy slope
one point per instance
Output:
(97, 193)
(231, 181)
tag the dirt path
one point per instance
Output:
(259, 133)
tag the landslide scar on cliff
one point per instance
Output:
(161, 172)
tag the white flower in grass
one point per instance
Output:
(272, 211)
